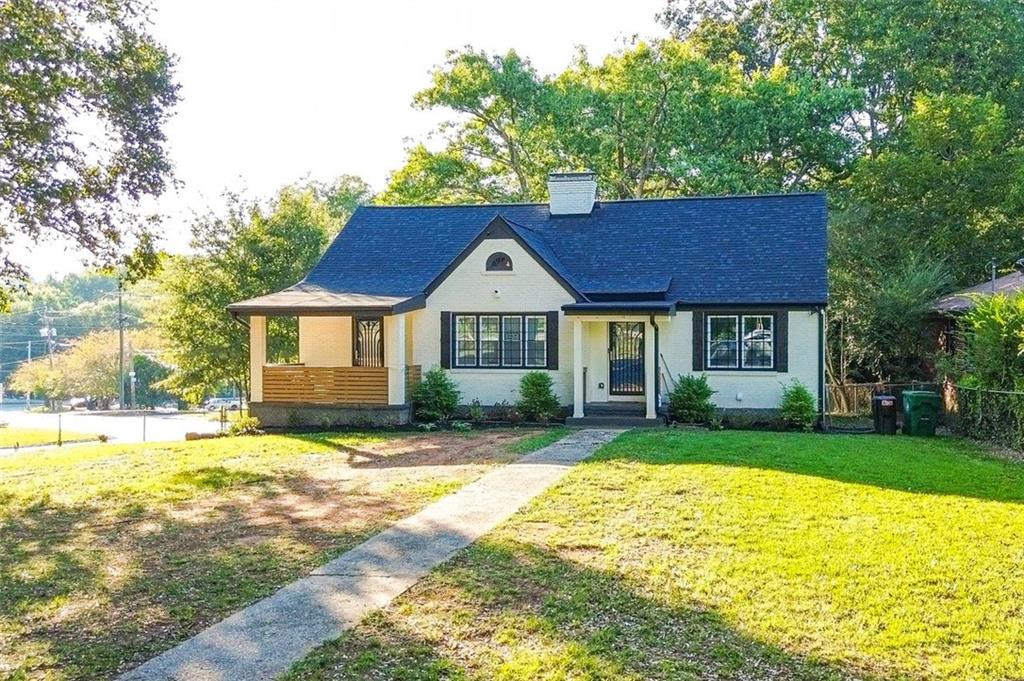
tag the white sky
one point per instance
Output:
(275, 92)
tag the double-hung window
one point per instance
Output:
(740, 341)
(504, 341)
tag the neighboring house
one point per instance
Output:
(951, 306)
(615, 299)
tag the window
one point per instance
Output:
(499, 262)
(536, 341)
(499, 341)
(758, 341)
(368, 343)
(490, 341)
(512, 341)
(740, 341)
(465, 341)
(722, 342)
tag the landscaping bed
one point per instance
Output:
(727, 555)
(113, 553)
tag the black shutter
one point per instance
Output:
(446, 340)
(553, 340)
(782, 341)
(698, 340)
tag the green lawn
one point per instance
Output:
(689, 555)
(109, 554)
(27, 437)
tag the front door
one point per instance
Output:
(626, 358)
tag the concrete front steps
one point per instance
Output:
(615, 415)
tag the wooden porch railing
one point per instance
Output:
(325, 385)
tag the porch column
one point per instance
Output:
(577, 369)
(257, 356)
(394, 357)
(650, 370)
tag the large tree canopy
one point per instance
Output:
(249, 250)
(84, 94)
(653, 120)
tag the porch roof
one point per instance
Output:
(310, 300)
(655, 307)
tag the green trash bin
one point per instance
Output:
(920, 412)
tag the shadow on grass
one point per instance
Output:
(434, 449)
(86, 593)
(514, 611)
(944, 466)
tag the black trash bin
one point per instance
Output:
(883, 411)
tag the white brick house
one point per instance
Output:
(614, 298)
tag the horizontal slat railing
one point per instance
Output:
(325, 385)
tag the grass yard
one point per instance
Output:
(112, 553)
(28, 437)
(688, 555)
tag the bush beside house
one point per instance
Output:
(690, 400)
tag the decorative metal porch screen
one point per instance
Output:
(369, 343)
(626, 358)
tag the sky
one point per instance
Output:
(277, 92)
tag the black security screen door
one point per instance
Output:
(626, 358)
(368, 343)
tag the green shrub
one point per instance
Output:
(537, 401)
(436, 397)
(247, 425)
(461, 426)
(798, 407)
(690, 400)
(994, 331)
(476, 411)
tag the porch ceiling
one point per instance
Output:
(304, 300)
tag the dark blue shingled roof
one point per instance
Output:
(716, 250)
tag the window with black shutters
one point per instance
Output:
(505, 341)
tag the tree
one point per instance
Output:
(653, 120)
(84, 94)
(90, 366)
(248, 251)
(39, 378)
(149, 373)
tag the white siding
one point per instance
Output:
(325, 341)
(469, 288)
(747, 389)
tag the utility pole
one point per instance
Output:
(120, 342)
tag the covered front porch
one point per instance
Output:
(615, 361)
(354, 362)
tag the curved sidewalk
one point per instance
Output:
(265, 639)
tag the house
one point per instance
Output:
(615, 299)
(948, 309)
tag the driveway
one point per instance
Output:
(125, 427)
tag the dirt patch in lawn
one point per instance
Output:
(88, 590)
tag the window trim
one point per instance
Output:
(501, 270)
(739, 317)
(503, 366)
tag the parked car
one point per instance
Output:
(216, 403)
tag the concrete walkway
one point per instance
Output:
(265, 639)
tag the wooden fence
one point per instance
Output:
(325, 385)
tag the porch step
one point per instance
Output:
(615, 422)
(615, 409)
